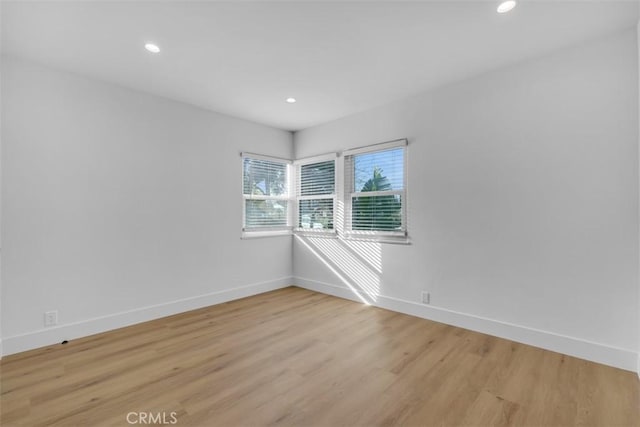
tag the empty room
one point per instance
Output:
(320, 213)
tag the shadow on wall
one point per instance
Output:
(357, 264)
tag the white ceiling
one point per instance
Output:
(336, 58)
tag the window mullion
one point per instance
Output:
(378, 193)
(317, 197)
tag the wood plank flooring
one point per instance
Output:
(293, 357)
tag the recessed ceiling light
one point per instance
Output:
(291, 100)
(506, 6)
(153, 48)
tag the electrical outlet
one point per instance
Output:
(426, 298)
(51, 318)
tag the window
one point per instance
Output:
(265, 186)
(376, 190)
(316, 193)
(360, 194)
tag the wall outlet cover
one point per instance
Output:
(426, 297)
(51, 318)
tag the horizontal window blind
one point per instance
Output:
(264, 177)
(266, 193)
(266, 214)
(316, 195)
(377, 190)
(315, 214)
(379, 171)
(382, 213)
(317, 178)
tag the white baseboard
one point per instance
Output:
(595, 352)
(57, 334)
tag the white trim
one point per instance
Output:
(57, 334)
(377, 147)
(399, 238)
(257, 233)
(264, 157)
(261, 197)
(596, 352)
(377, 193)
(316, 159)
(317, 197)
(366, 234)
(329, 233)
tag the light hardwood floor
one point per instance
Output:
(295, 357)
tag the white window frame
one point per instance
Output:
(267, 231)
(296, 210)
(399, 236)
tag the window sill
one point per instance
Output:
(309, 232)
(262, 234)
(397, 239)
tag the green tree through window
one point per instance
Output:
(381, 212)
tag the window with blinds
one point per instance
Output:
(376, 189)
(316, 192)
(266, 196)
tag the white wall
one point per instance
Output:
(1, 96)
(523, 202)
(117, 204)
(638, 45)
(523, 209)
